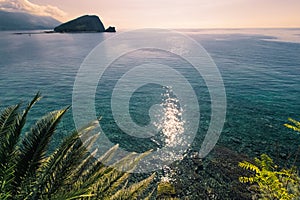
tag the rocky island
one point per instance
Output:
(110, 29)
(86, 23)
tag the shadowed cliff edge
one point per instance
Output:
(86, 23)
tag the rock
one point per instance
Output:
(86, 23)
(197, 162)
(111, 29)
(283, 155)
(219, 178)
(236, 140)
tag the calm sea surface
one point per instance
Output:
(260, 70)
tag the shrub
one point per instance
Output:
(270, 181)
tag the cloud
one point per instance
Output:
(28, 7)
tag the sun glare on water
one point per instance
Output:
(170, 124)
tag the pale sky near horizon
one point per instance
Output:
(170, 13)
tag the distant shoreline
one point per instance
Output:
(24, 32)
(50, 32)
(31, 33)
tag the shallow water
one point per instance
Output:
(261, 76)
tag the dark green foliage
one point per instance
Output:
(28, 171)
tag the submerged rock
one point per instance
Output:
(215, 177)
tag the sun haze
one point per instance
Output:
(129, 14)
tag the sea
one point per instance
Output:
(260, 69)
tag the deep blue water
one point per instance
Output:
(261, 77)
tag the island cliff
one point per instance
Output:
(86, 23)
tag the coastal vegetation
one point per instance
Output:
(295, 125)
(29, 171)
(269, 181)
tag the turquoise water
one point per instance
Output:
(261, 73)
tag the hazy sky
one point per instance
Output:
(170, 13)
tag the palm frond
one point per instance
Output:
(63, 166)
(8, 141)
(33, 148)
(134, 191)
(70, 172)
(23, 117)
(137, 189)
(8, 138)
